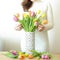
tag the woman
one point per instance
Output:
(41, 38)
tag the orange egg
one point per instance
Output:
(44, 22)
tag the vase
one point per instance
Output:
(28, 42)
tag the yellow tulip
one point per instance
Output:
(26, 55)
(25, 15)
(38, 12)
(20, 53)
(43, 15)
(17, 15)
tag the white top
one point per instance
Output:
(41, 38)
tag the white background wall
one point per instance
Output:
(11, 38)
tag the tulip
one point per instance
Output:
(36, 23)
(46, 57)
(20, 53)
(29, 13)
(21, 57)
(43, 56)
(26, 54)
(25, 15)
(17, 15)
(30, 56)
(15, 18)
(38, 12)
(14, 52)
(44, 22)
(43, 15)
(32, 14)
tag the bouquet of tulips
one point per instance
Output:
(31, 21)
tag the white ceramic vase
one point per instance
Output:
(28, 42)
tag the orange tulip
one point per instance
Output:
(44, 22)
(30, 56)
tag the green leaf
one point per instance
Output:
(35, 53)
(11, 55)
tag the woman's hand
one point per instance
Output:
(18, 27)
(41, 28)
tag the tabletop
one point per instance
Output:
(3, 57)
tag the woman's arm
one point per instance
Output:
(49, 18)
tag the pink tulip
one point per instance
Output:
(43, 56)
(32, 14)
(46, 57)
(14, 52)
(36, 23)
(15, 18)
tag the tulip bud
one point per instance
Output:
(36, 23)
(17, 15)
(15, 18)
(43, 56)
(44, 22)
(32, 14)
(14, 52)
(38, 12)
(25, 15)
(43, 15)
(46, 57)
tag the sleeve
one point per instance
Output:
(49, 18)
